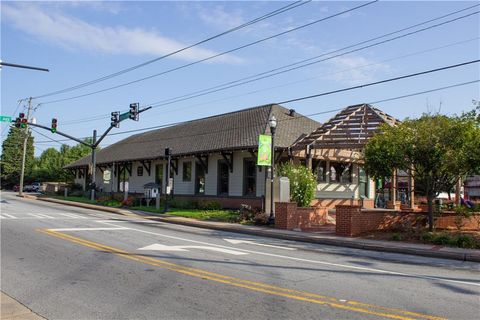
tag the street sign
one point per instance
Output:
(264, 150)
(124, 116)
(5, 119)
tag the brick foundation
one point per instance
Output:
(352, 220)
(288, 216)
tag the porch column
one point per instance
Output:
(308, 157)
(412, 189)
(458, 186)
(393, 189)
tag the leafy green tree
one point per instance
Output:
(303, 182)
(11, 159)
(439, 150)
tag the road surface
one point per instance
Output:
(71, 263)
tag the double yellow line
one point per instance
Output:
(352, 306)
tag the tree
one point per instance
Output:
(438, 149)
(11, 159)
(303, 182)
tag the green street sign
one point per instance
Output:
(5, 119)
(124, 116)
(264, 150)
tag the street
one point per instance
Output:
(64, 262)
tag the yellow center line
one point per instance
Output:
(353, 306)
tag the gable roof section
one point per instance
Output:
(349, 129)
(230, 131)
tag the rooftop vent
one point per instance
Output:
(291, 112)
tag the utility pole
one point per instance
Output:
(25, 140)
(94, 165)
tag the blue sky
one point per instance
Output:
(81, 41)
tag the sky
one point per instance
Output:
(80, 41)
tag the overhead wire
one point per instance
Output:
(330, 92)
(241, 26)
(270, 73)
(210, 57)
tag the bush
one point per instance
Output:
(303, 182)
(397, 237)
(128, 202)
(465, 241)
(209, 205)
(183, 204)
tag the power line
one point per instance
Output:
(45, 136)
(286, 119)
(330, 92)
(380, 82)
(290, 83)
(267, 74)
(210, 57)
(115, 74)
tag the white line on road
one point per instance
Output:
(70, 215)
(7, 215)
(311, 261)
(39, 216)
(162, 247)
(238, 241)
(88, 229)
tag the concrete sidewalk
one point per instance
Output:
(327, 238)
(11, 309)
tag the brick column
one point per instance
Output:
(285, 217)
(347, 224)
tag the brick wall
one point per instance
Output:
(289, 216)
(449, 222)
(352, 220)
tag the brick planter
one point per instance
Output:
(288, 216)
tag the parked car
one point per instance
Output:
(33, 187)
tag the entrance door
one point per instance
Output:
(159, 176)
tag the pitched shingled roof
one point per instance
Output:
(229, 131)
(349, 129)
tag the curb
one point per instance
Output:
(452, 254)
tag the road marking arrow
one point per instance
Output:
(237, 241)
(162, 247)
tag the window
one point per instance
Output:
(139, 171)
(362, 183)
(187, 171)
(223, 173)
(199, 179)
(159, 174)
(319, 167)
(340, 172)
(249, 177)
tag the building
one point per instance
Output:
(212, 158)
(215, 158)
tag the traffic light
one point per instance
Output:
(18, 122)
(115, 119)
(134, 108)
(23, 120)
(54, 125)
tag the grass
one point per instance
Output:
(72, 198)
(210, 215)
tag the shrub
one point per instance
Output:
(397, 237)
(183, 204)
(465, 241)
(303, 182)
(128, 202)
(209, 205)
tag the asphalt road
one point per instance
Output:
(71, 263)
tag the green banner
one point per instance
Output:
(264, 150)
(5, 119)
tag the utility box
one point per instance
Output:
(281, 188)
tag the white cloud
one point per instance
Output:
(69, 32)
(219, 18)
(356, 70)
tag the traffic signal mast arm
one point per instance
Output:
(62, 134)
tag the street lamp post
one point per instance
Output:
(273, 126)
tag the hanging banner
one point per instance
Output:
(264, 150)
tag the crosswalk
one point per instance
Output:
(38, 215)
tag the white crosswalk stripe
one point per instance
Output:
(37, 215)
(71, 215)
(7, 216)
